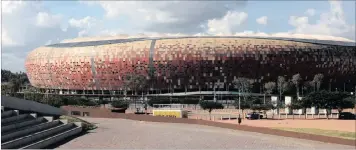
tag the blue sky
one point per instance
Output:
(278, 13)
(28, 25)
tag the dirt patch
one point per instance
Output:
(339, 125)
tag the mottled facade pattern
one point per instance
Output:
(187, 63)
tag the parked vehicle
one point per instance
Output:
(347, 116)
(253, 116)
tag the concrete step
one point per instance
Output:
(9, 113)
(16, 119)
(38, 136)
(56, 138)
(23, 124)
(30, 130)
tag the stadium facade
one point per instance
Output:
(189, 63)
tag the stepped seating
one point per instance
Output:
(21, 130)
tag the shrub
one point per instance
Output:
(210, 105)
(120, 104)
(161, 100)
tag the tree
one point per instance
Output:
(244, 104)
(122, 104)
(160, 100)
(187, 100)
(15, 85)
(210, 106)
(327, 100)
(342, 101)
(304, 103)
(269, 87)
(296, 79)
(273, 105)
(282, 86)
(257, 104)
(308, 87)
(244, 86)
(135, 82)
(295, 104)
(55, 101)
(318, 78)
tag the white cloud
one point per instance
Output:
(43, 19)
(6, 40)
(292, 35)
(262, 20)
(298, 21)
(86, 22)
(310, 12)
(10, 6)
(83, 33)
(48, 42)
(227, 24)
(28, 25)
(87, 25)
(331, 23)
(160, 16)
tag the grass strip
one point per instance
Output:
(331, 133)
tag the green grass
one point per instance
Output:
(85, 124)
(331, 133)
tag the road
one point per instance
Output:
(128, 134)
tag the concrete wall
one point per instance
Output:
(28, 105)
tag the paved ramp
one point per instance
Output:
(127, 134)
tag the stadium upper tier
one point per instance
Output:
(188, 62)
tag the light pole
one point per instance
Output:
(239, 103)
(214, 93)
(355, 99)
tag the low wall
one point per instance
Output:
(95, 112)
(30, 106)
(106, 113)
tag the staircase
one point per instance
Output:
(21, 130)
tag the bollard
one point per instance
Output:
(286, 116)
(221, 117)
(213, 118)
(229, 117)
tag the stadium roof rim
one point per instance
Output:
(105, 42)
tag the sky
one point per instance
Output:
(27, 25)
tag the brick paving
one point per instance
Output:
(129, 134)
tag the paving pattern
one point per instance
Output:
(128, 134)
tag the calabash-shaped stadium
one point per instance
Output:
(189, 63)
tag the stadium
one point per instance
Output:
(188, 64)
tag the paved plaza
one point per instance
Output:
(128, 134)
